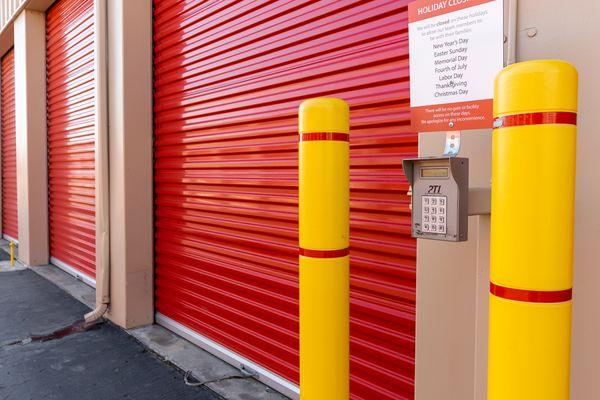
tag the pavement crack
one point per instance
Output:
(76, 327)
(14, 343)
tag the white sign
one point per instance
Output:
(456, 51)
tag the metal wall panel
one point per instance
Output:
(70, 80)
(10, 225)
(229, 76)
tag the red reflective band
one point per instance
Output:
(531, 296)
(324, 253)
(538, 118)
(336, 136)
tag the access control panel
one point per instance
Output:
(440, 189)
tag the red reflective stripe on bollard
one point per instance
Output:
(531, 296)
(334, 136)
(324, 253)
(538, 118)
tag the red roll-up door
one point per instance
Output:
(70, 76)
(229, 76)
(9, 148)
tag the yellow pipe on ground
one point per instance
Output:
(533, 188)
(11, 246)
(324, 163)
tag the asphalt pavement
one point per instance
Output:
(46, 352)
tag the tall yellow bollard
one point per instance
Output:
(324, 164)
(533, 185)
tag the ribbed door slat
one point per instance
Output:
(70, 94)
(9, 148)
(229, 76)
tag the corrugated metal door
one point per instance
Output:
(229, 76)
(70, 63)
(9, 148)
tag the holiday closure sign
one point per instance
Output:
(456, 51)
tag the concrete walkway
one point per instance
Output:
(101, 363)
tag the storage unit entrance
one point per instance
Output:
(71, 130)
(10, 228)
(229, 77)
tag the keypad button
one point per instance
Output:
(433, 214)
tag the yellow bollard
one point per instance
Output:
(11, 246)
(533, 187)
(324, 163)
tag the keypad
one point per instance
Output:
(434, 214)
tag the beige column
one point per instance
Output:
(452, 292)
(30, 103)
(130, 148)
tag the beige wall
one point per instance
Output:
(130, 138)
(30, 106)
(571, 31)
(452, 280)
(40, 5)
(452, 287)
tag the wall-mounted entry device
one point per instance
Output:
(440, 191)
